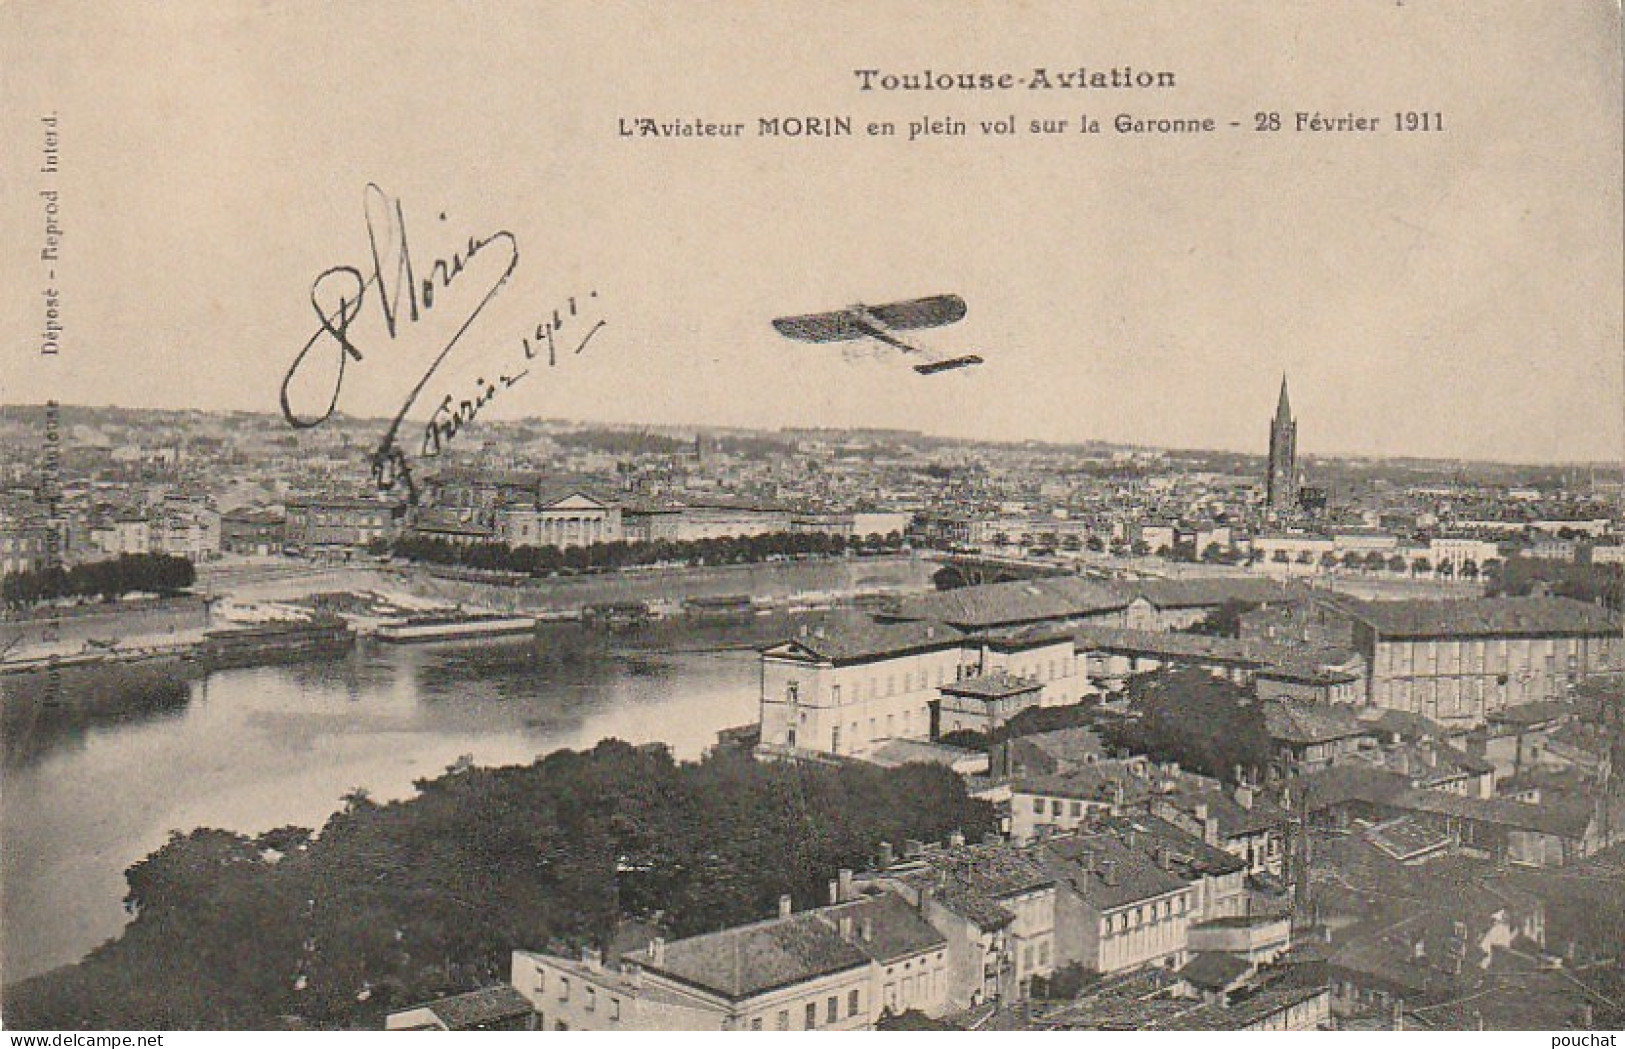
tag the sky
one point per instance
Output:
(1452, 294)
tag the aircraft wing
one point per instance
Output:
(861, 322)
(840, 326)
(931, 312)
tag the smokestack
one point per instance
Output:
(785, 906)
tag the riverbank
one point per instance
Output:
(133, 632)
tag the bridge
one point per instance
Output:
(975, 569)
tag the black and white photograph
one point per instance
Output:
(625, 516)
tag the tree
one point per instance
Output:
(1420, 565)
(1189, 716)
(1224, 621)
(416, 899)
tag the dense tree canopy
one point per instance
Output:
(108, 580)
(1189, 716)
(405, 901)
(600, 557)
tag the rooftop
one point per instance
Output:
(488, 1005)
(998, 685)
(848, 640)
(1484, 617)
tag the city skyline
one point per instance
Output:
(1261, 452)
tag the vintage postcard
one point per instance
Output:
(625, 516)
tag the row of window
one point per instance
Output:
(1479, 654)
(1055, 806)
(1051, 670)
(589, 993)
(1144, 914)
(810, 1012)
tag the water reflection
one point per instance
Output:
(96, 782)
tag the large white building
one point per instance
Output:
(844, 687)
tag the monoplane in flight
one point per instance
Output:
(880, 322)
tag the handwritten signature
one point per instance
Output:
(450, 415)
(404, 298)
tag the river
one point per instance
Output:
(98, 780)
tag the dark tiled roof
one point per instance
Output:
(1077, 745)
(487, 1005)
(1010, 604)
(1301, 723)
(1097, 782)
(1534, 713)
(853, 641)
(1203, 593)
(1407, 837)
(1214, 970)
(1242, 1014)
(1081, 863)
(1189, 856)
(1485, 617)
(1234, 819)
(747, 960)
(885, 927)
(1344, 783)
(1561, 820)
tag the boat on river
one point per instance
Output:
(454, 626)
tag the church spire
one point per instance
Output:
(1283, 408)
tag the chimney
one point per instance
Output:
(592, 958)
(956, 839)
(844, 923)
(834, 892)
(657, 951)
(885, 855)
(785, 906)
(868, 930)
(1108, 871)
(912, 849)
(1244, 797)
(843, 885)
